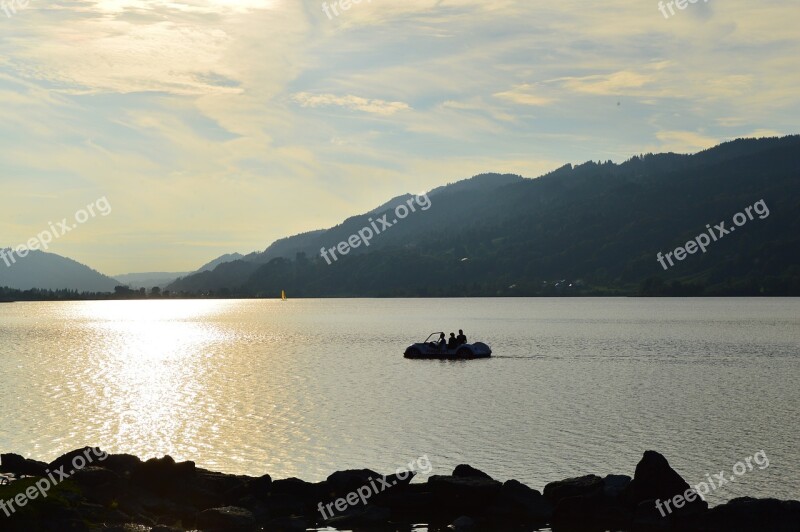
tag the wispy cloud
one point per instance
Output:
(355, 103)
(684, 141)
(524, 94)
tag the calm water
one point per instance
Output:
(304, 388)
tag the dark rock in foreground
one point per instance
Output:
(122, 493)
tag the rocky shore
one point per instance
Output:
(121, 493)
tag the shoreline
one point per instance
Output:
(88, 490)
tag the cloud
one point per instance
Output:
(684, 141)
(524, 94)
(614, 83)
(355, 103)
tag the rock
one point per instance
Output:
(452, 497)
(226, 519)
(343, 482)
(93, 477)
(615, 485)
(99, 485)
(164, 509)
(464, 486)
(396, 480)
(414, 503)
(261, 486)
(295, 487)
(589, 501)
(124, 494)
(647, 517)
(292, 496)
(210, 489)
(593, 510)
(78, 459)
(573, 487)
(19, 465)
(122, 464)
(465, 470)
(101, 513)
(163, 475)
(746, 514)
(463, 524)
(656, 480)
(526, 503)
(362, 516)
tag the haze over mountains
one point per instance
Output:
(161, 279)
(50, 271)
(593, 228)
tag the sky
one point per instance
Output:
(217, 126)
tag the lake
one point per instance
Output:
(307, 387)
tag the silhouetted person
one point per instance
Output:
(442, 342)
(462, 339)
(452, 343)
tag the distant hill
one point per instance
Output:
(594, 228)
(148, 279)
(311, 242)
(230, 257)
(162, 279)
(52, 272)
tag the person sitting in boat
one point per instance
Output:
(452, 343)
(462, 339)
(442, 342)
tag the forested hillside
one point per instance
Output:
(589, 229)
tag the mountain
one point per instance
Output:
(230, 257)
(594, 228)
(50, 271)
(162, 279)
(148, 279)
(311, 242)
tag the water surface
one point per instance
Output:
(306, 387)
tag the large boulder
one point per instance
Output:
(745, 514)
(221, 486)
(615, 485)
(295, 487)
(78, 459)
(95, 477)
(463, 524)
(589, 485)
(343, 482)
(468, 487)
(520, 503)
(164, 476)
(654, 480)
(589, 501)
(452, 497)
(292, 496)
(410, 504)
(261, 486)
(19, 465)
(122, 464)
(464, 470)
